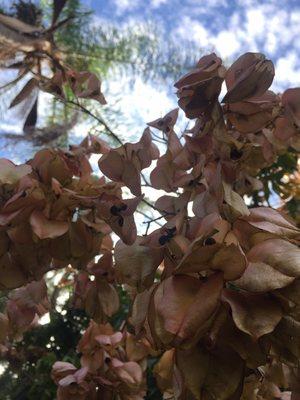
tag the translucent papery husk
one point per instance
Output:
(213, 289)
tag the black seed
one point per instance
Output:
(114, 210)
(160, 122)
(171, 230)
(235, 154)
(209, 241)
(123, 207)
(121, 221)
(163, 240)
(167, 129)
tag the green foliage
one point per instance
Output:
(28, 375)
(152, 393)
(274, 179)
(27, 11)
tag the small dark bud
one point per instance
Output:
(235, 154)
(171, 230)
(114, 210)
(209, 241)
(123, 207)
(121, 221)
(163, 240)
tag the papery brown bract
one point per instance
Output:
(99, 298)
(216, 249)
(119, 215)
(95, 145)
(200, 88)
(213, 290)
(86, 85)
(125, 163)
(136, 264)
(270, 220)
(29, 88)
(165, 124)
(253, 114)
(74, 383)
(61, 369)
(47, 229)
(11, 173)
(24, 305)
(163, 371)
(291, 102)
(254, 314)
(137, 349)
(93, 353)
(274, 263)
(254, 352)
(79, 245)
(211, 375)
(129, 374)
(50, 164)
(170, 171)
(140, 309)
(250, 75)
(103, 268)
(174, 316)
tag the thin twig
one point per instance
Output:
(147, 216)
(147, 183)
(153, 219)
(115, 136)
(100, 120)
(157, 209)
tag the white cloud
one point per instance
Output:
(125, 5)
(255, 21)
(267, 27)
(288, 71)
(192, 30)
(140, 103)
(226, 43)
(157, 3)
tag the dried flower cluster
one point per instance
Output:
(215, 291)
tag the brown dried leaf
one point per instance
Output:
(45, 228)
(250, 75)
(255, 314)
(136, 264)
(11, 173)
(25, 92)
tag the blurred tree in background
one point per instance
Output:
(109, 51)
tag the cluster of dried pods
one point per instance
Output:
(215, 290)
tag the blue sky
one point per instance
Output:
(231, 27)
(228, 27)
